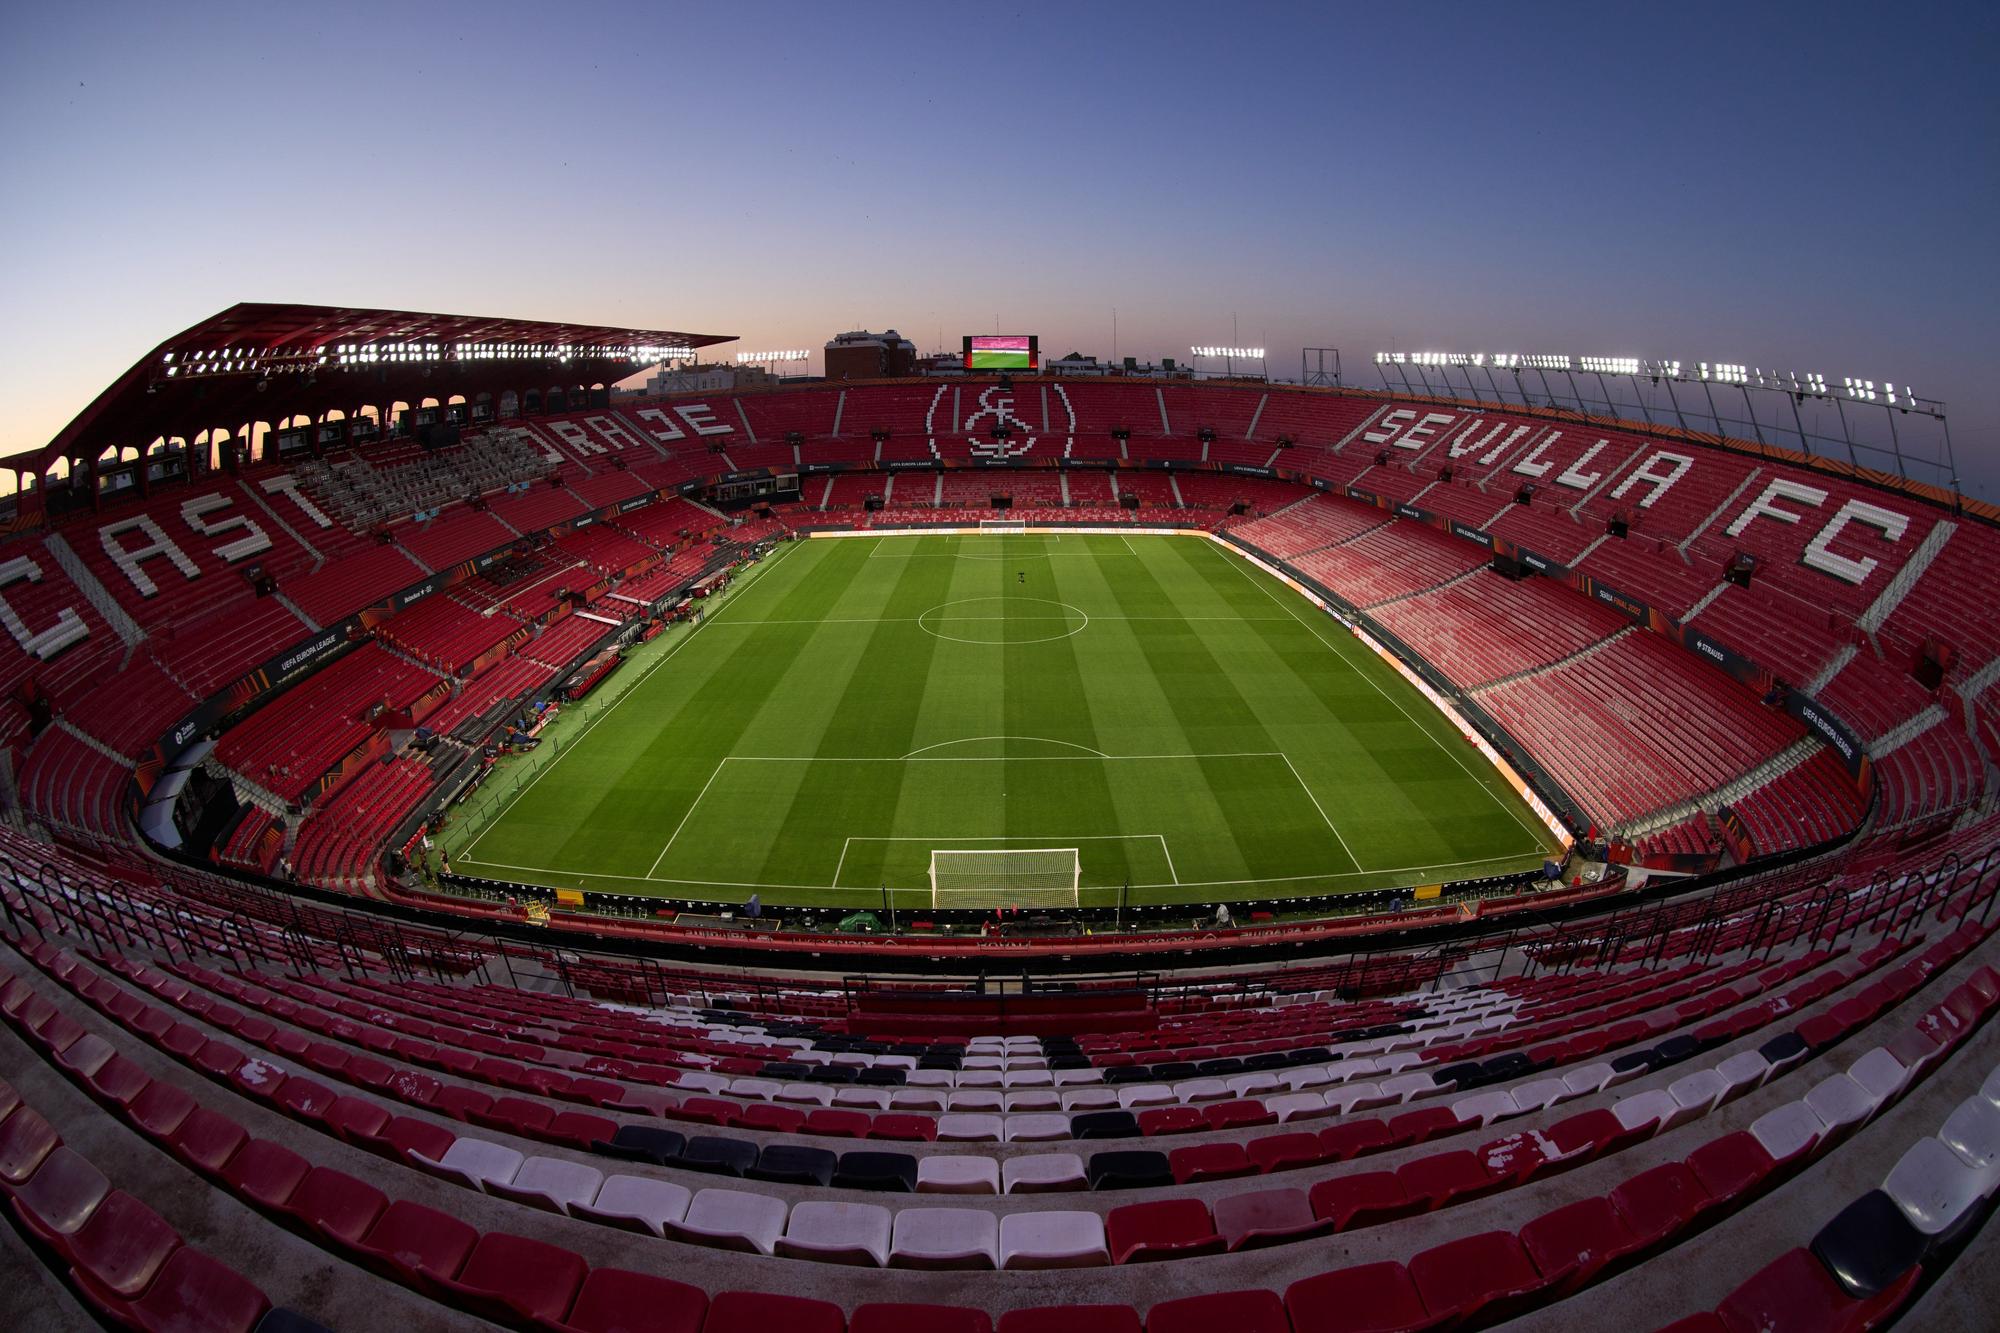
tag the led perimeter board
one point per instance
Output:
(1003, 351)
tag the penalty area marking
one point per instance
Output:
(917, 757)
(875, 551)
(942, 844)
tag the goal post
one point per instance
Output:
(1005, 877)
(1003, 525)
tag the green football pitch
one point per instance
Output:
(1192, 728)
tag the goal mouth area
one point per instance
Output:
(1004, 877)
(1003, 525)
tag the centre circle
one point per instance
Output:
(987, 620)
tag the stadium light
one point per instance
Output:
(1230, 353)
(1806, 384)
(746, 358)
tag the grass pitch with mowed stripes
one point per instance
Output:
(1190, 726)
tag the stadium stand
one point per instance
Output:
(345, 703)
(1634, 725)
(457, 536)
(1486, 628)
(1854, 589)
(447, 634)
(1773, 1105)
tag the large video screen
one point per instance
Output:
(1003, 351)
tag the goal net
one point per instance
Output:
(1016, 877)
(1003, 525)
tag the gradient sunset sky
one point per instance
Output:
(1800, 187)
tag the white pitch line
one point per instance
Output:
(1322, 811)
(1007, 837)
(1184, 884)
(1002, 837)
(984, 759)
(689, 815)
(905, 620)
(1508, 806)
(573, 745)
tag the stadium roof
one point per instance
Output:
(263, 362)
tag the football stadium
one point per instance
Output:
(521, 820)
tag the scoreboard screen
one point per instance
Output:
(1003, 351)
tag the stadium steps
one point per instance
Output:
(100, 598)
(1906, 731)
(1299, 503)
(1584, 554)
(396, 652)
(263, 796)
(1703, 604)
(1728, 793)
(1905, 579)
(1422, 592)
(296, 610)
(64, 724)
(1365, 424)
(1718, 512)
(257, 498)
(1846, 653)
(1560, 662)
(1250, 431)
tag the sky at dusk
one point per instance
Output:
(1801, 187)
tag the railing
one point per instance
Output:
(189, 915)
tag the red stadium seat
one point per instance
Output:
(60, 1197)
(1163, 1229)
(1370, 1298)
(409, 1241)
(512, 1278)
(1659, 1204)
(612, 1300)
(192, 1291)
(1209, 1161)
(122, 1248)
(265, 1173)
(1572, 1244)
(1485, 1278)
(336, 1207)
(755, 1312)
(1363, 1199)
(1795, 1294)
